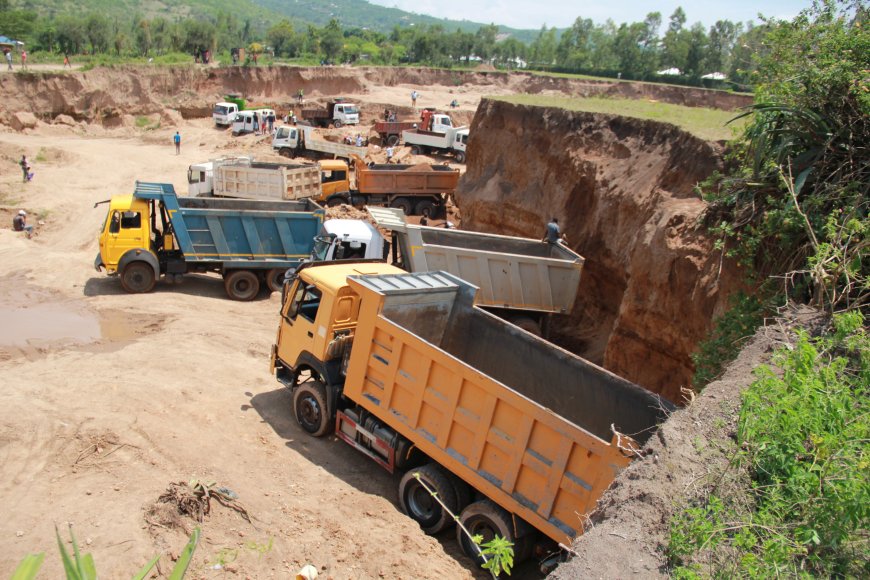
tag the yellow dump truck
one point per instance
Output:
(517, 436)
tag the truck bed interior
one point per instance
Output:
(585, 394)
(304, 205)
(494, 243)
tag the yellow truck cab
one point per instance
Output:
(334, 179)
(127, 237)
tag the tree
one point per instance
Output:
(484, 41)
(98, 32)
(332, 40)
(722, 37)
(675, 46)
(543, 48)
(282, 37)
(574, 50)
(696, 51)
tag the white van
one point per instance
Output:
(244, 120)
(224, 113)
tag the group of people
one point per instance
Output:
(358, 140)
(264, 124)
(389, 116)
(7, 52)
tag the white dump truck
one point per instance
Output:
(224, 113)
(453, 140)
(298, 140)
(245, 178)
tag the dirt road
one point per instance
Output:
(108, 397)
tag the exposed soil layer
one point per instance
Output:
(623, 190)
(105, 94)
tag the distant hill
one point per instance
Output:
(262, 13)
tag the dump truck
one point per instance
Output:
(522, 280)
(299, 140)
(390, 132)
(337, 112)
(153, 232)
(413, 189)
(453, 141)
(245, 178)
(516, 435)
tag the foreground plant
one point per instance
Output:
(77, 566)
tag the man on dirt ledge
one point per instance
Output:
(553, 234)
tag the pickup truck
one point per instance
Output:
(514, 434)
(299, 140)
(390, 132)
(224, 113)
(245, 178)
(521, 280)
(453, 141)
(153, 232)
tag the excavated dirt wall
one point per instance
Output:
(104, 93)
(623, 190)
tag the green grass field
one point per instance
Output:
(709, 124)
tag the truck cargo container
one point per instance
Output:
(516, 435)
(152, 232)
(453, 141)
(390, 132)
(337, 113)
(520, 279)
(245, 178)
(299, 140)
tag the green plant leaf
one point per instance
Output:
(186, 556)
(68, 567)
(28, 567)
(140, 575)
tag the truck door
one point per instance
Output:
(125, 230)
(299, 331)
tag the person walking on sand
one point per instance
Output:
(553, 234)
(414, 96)
(23, 59)
(25, 169)
(8, 54)
(66, 63)
(177, 140)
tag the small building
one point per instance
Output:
(7, 43)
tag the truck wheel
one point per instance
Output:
(419, 504)
(275, 279)
(402, 203)
(138, 278)
(408, 455)
(242, 285)
(416, 150)
(336, 200)
(285, 152)
(338, 124)
(392, 140)
(426, 208)
(460, 156)
(310, 408)
(527, 324)
(488, 520)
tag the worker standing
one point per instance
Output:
(177, 140)
(414, 96)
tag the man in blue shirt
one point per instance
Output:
(177, 140)
(553, 235)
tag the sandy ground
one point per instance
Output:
(108, 397)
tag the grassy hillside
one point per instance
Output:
(262, 13)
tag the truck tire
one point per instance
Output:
(275, 279)
(392, 140)
(336, 200)
(488, 520)
(460, 156)
(242, 285)
(426, 207)
(285, 152)
(528, 324)
(311, 409)
(464, 493)
(138, 278)
(419, 504)
(408, 455)
(416, 150)
(402, 203)
(337, 124)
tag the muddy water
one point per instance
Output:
(60, 322)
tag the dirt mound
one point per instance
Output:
(623, 190)
(688, 454)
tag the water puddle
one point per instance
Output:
(50, 322)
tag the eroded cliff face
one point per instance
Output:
(623, 190)
(104, 93)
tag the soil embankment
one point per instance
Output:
(103, 94)
(623, 190)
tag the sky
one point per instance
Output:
(532, 14)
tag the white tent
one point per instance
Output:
(716, 76)
(670, 71)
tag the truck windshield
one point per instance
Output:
(322, 244)
(220, 110)
(350, 109)
(283, 133)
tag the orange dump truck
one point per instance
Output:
(517, 436)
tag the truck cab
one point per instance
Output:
(344, 114)
(244, 120)
(200, 179)
(286, 137)
(344, 239)
(224, 113)
(334, 180)
(435, 122)
(460, 144)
